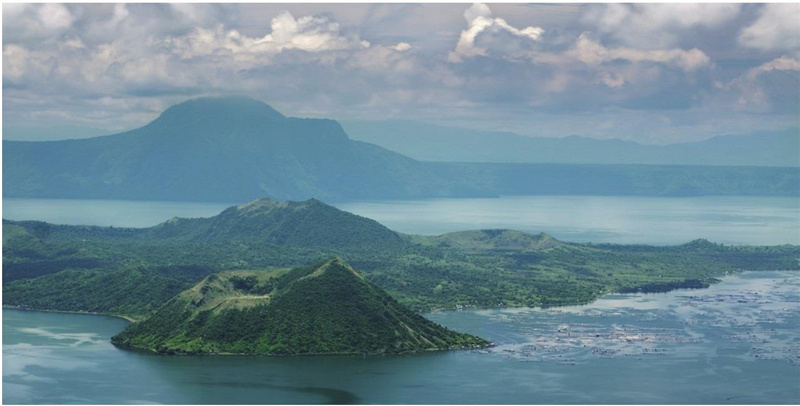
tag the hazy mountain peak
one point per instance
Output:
(219, 110)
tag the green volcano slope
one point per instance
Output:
(325, 309)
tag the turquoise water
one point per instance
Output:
(645, 220)
(737, 342)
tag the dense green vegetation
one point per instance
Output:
(323, 309)
(134, 293)
(237, 149)
(263, 221)
(134, 271)
(300, 224)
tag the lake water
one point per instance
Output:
(736, 342)
(632, 220)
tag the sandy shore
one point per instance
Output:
(71, 312)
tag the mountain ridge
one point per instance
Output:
(306, 224)
(431, 142)
(216, 148)
(310, 223)
(239, 149)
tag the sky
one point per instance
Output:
(652, 73)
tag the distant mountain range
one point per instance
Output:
(238, 149)
(223, 149)
(429, 142)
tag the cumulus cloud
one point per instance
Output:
(309, 34)
(392, 60)
(783, 63)
(124, 53)
(612, 80)
(116, 66)
(402, 46)
(55, 16)
(591, 52)
(15, 60)
(36, 21)
(14, 10)
(488, 36)
(181, 60)
(754, 92)
(197, 14)
(777, 28)
(650, 26)
(485, 33)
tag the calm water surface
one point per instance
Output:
(626, 220)
(737, 342)
(645, 220)
(117, 213)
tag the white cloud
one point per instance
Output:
(14, 10)
(199, 58)
(652, 26)
(612, 80)
(194, 13)
(369, 61)
(591, 52)
(383, 60)
(309, 34)
(487, 36)
(15, 59)
(752, 95)
(783, 63)
(55, 16)
(402, 46)
(485, 33)
(777, 28)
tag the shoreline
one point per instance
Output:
(126, 318)
(150, 351)
(718, 278)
